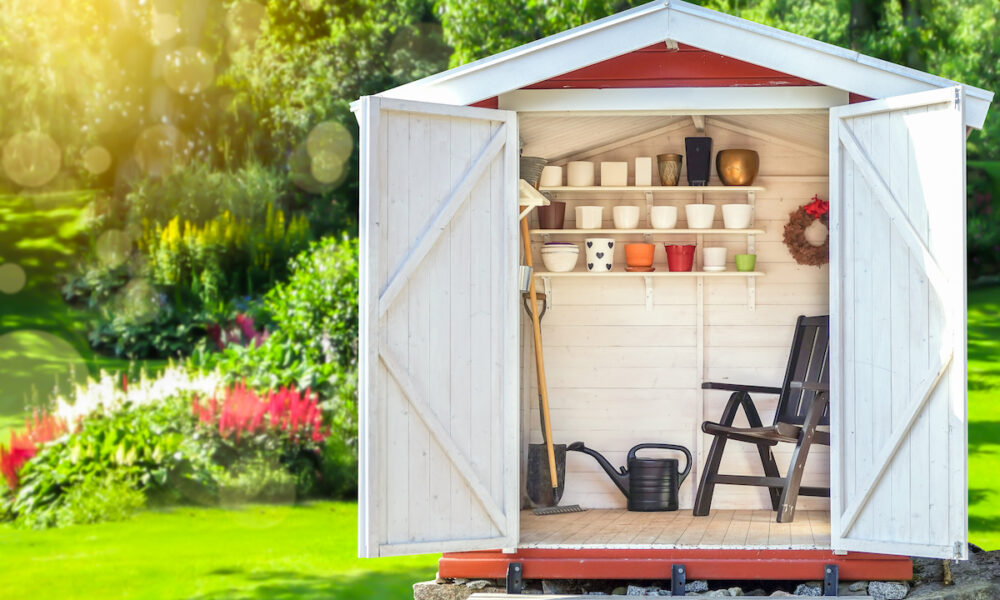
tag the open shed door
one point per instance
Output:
(897, 300)
(438, 334)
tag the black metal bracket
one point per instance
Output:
(831, 580)
(678, 580)
(514, 579)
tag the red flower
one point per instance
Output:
(39, 429)
(817, 208)
(243, 411)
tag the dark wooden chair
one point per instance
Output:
(803, 404)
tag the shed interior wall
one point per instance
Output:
(619, 374)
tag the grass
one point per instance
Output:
(300, 552)
(984, 417)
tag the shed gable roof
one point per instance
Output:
(685, 23)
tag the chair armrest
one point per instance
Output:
(811, 387)
(733, 387)
(740, 398)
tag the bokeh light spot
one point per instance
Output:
(326, 167)
(165, 27)
(310, 5)
(97, 160)
(31, 159)
(161, 148)
(188, 70)
(244, 22)
(12, 278)
(32, 364)
(114, 247)
(330, 137)
(138, 302)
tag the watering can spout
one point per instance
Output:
(620, 477)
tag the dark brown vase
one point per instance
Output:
(552, 216)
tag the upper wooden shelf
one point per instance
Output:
(673, 189)
(658, 273)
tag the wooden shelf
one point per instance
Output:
(668, 189)
(648, 231)
(657, 273)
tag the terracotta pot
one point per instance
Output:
(552, 216)
(737, 167)
(669, 167)
(680, 257)
(639, 255)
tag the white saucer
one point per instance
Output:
(713, 269)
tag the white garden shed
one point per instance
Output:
(447, 383)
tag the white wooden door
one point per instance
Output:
(438, 387)
(897, 300)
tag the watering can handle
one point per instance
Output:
(687, 453)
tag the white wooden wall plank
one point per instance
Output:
(417, 306)
(394, 329)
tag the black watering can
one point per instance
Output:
(650, 484)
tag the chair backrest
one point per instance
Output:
(808, 362)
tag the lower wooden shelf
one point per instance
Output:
(651, 274)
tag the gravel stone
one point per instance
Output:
(810, 588)
(858, 586)
(888, 590)
(698, 585)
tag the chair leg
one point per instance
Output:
(703, 500)
(770, 470)
(790, 495)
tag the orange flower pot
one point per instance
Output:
(639, 255)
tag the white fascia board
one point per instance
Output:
(682, 100)
(810, 59)
(543, 59)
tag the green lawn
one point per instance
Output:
(984, 417)
(299, 552)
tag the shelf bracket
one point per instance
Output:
(547, 286)
(649, 209)
(648, 281)
(699, 122)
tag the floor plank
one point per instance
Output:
(675, 529)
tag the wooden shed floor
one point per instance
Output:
(679, 529)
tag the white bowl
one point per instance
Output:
(700, 216)
(580, 173)
(589, 217)
(560, 262)
(551, 177)
(736, 216)
(714, 257)
(663, 217)
(626, 217)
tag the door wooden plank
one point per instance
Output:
(440, 220)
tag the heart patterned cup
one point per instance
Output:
(600, 254)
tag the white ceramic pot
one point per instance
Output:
(626, 217)
(700, 216)
(663, 217)
(614, 174)
(551, 177)
(600, 254)
(589, 217)
(580, 173)
(736, 216)
(714, 259)
(560, 261)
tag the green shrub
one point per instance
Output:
(313, 345)
(114, 497)
(983, 232)
(257, 479)
(150, 446)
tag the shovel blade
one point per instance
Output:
(539, 482)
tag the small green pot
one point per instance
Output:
(746, 262)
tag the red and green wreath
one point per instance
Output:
(799, 247)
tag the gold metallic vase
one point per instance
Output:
(669, 166)
(737, 167)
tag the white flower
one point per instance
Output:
(106, 396)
